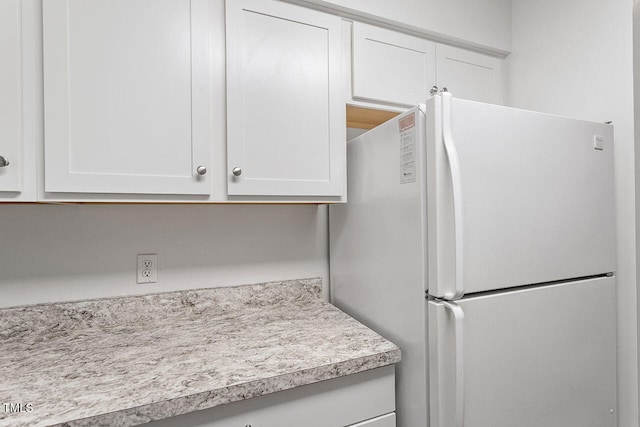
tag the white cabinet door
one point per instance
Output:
(126, 88)
(12, 165)
(285, 113)
(391, 67)
(469, 75)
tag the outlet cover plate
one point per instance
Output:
(147, 268)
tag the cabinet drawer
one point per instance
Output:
(388, 420)
(344, 401)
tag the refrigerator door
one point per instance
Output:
(541, 356)
(515, 197)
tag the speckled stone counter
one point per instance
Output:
(126, 361)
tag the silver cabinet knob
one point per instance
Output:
(237, 171)
(3, 161)
(201, 170)
(434, 90)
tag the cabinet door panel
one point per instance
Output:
(391, 67)
(122, 79)
(285, 122)
(469, 75)
(11, 117)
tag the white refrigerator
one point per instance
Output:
(481, 240)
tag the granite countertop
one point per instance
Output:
(129, 360)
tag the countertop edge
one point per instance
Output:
(237, 392)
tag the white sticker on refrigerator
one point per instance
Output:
(407, 148)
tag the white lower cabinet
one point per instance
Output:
(388, 420)
(362, 399)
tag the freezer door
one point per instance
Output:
(544, 356)
(515, 197)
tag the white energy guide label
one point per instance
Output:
(407, 148)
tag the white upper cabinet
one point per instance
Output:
(391, 67)
(124, 100)
(10, 97)
(469, 75)
(15, 185)
(481, 24)
(285, 111)
(126, 96)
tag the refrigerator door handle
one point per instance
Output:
(456, 183)
(458, 316)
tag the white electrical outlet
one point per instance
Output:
(147, 268)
